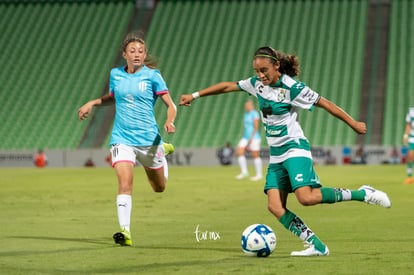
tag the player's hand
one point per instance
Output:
(186, 99)
(84, 111)
(360, 127)
(169, 127)
(405, 140)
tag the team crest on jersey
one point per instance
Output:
(142, 86)
(282, 95)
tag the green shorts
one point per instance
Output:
(411, 146)
(291, 174)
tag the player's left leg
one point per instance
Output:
(309, 191)
(155, 165)
(157, 178)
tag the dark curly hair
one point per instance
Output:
(289, 64)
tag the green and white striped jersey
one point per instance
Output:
(410, 119)
(279, 104)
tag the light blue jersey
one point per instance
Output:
(135, 96)
(249, 118)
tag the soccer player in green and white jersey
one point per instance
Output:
(408, 140)
(290, 166)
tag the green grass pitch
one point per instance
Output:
(61, 221)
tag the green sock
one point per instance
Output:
(332, 195)
(295, 225)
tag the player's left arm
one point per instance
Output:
(406, 133)
(171, 113)
(358, 126)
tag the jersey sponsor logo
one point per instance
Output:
(266, 111)
(309, 95)
(260, 88)
(299, 86)
(276, 130)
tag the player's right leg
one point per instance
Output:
(123, 160)
(409, 164)
(277, 206)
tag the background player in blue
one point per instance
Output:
(134, 89)
(408, 140)
(250, 141)
(290, 164)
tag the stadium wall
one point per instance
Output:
(196, 156)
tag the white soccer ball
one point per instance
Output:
(258, 240)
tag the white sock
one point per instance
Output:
(243, 164)
(164, 161)
(124, 206)
(258, 166)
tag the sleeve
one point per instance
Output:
(248, 85)
(158, 84)
(256, 115)
(302, 96)
(407, 117)
(111, 83)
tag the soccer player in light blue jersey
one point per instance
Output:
(290, 167)
(408, 140)
(134, 89)
(250, 141)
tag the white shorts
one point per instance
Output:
(148, 156)
(254, 145)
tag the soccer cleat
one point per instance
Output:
(374, 196)
(256, 178)
(408, 180)
(242, 176)
(168, 148)
(310, 251)
(123, 238)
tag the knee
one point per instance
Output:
(306, 200)
(159, 188)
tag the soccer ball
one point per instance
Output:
(258, 240)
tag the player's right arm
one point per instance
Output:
(219, 88)
(84, 111)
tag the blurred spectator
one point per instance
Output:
(225, 154)
(360, 156)
(89, 163)
(108, 159)
(40, 159)
(346, 155)
(329, 158)
(395, 156)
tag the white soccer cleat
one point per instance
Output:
(256, 178)
(242, 176)
(310, 251)
(374, 196)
